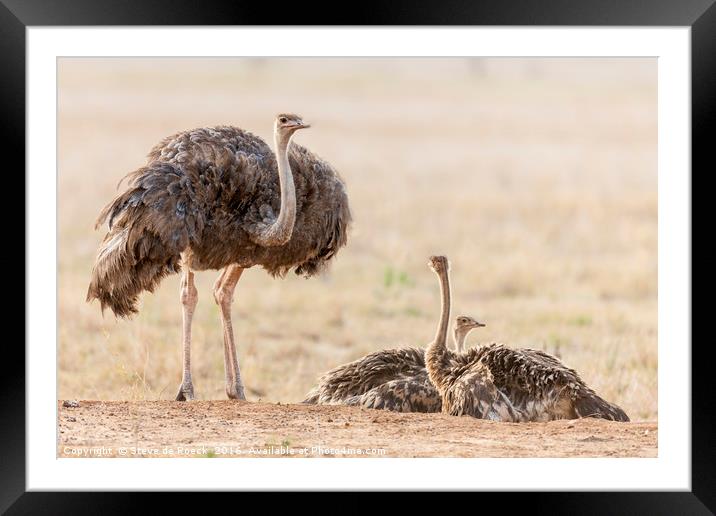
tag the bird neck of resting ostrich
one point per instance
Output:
(441, 335)
(280, 231)
(460, 335)
(459, 339)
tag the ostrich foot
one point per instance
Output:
(186, 392)
(235, 391)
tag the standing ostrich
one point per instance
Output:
(503, 384)
(208, 199)
(390, 379)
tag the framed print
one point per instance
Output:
(450, 251)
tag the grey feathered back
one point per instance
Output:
(360, 376)
(198, 201)
(497, 382)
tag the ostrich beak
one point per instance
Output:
(479, 324)
(302, 125)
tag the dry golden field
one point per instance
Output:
(537, 178)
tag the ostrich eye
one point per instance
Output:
(283, 120)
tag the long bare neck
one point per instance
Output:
(458, 339)
(441, 334)
(280, 231)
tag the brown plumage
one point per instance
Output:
(502, 384)
(382, 374)
(538, 385)
(206, 193)
(390, 379)
(219, 198)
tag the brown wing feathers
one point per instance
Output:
(150, 225)
(202, 194)
(497, 382)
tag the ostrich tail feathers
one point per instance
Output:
(591, 405)
(150, 225)
(118, 279)
(312, 397)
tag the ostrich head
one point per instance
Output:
(465, 323)
(286, 124)
(439, 264)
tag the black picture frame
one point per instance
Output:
(699, 15)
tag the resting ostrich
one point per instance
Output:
(390, 379)
(502, 384)
(219, 198)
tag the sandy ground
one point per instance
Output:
(231, 428)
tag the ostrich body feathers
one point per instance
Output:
(199, 202)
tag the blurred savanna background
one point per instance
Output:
(536, 177)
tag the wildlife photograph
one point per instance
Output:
(357, 257)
